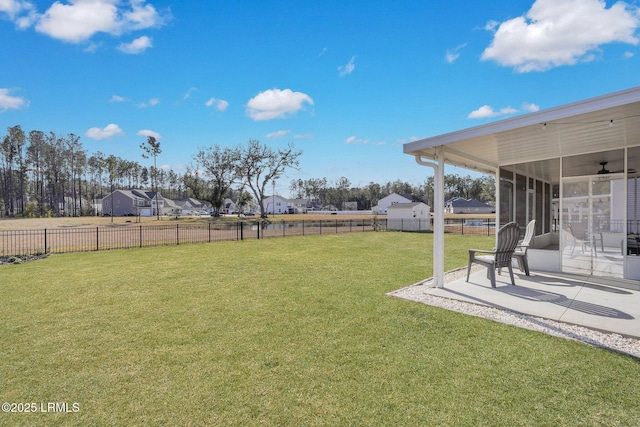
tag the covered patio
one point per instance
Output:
(574, 169)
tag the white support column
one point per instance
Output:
(438, 220)
(438, 216)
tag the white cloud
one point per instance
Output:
(106, 132)
(219, 104)
(152, 102)
(147, 132)
(141, 16)
(628, 55)
(138, 45)
(20, 12)
(487, 111)
(303, 136)
(560, 32)
(79, 20)
(452, 54)
(348, 67)
(278, 134)
(189, 92)
(276, 104)
(356, 140)
(14, 8)
(117, 98)
(8, 102)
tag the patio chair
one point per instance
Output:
(520, 254)
(575, 234)
(500, 256)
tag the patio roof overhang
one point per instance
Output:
(593, 125)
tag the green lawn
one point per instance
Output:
(295, 331)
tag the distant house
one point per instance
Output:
(460, 205)
(170, 208)
(299, 206)
(276, 205)
(190, 206)
(391, 199)
(133, 203)
(229, 206)
(415, 216)
(282, 205)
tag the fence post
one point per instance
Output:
(241, 230)
(97, 238)
(350, 225)
(320, 226)
(209, 224)
(140, 236)
(462, 227)
(258, 227)
(177, 235)
(283, 224)
(45, 241)
(303, 227)
(336, 226)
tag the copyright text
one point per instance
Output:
(21, 407)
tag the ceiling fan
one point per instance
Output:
(605, 171)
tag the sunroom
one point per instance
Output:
(575, 169)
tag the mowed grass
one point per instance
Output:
(294, 331)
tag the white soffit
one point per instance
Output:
(597, 124)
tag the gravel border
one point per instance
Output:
(610, 341)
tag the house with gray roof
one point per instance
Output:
(134, 203)
(460, 205)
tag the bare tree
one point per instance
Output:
(260, 165)
(216, 170)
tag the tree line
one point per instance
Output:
(46, 174)
(337, 193)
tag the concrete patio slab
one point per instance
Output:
(586, 301)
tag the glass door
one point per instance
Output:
(592, 239)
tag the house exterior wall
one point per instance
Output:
(276, 205)
(391, 199)
(118, 204)
(409, 217)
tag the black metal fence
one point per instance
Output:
(86, 239)
(123, 236)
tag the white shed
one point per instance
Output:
(409, 217)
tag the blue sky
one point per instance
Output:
(348, 82)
